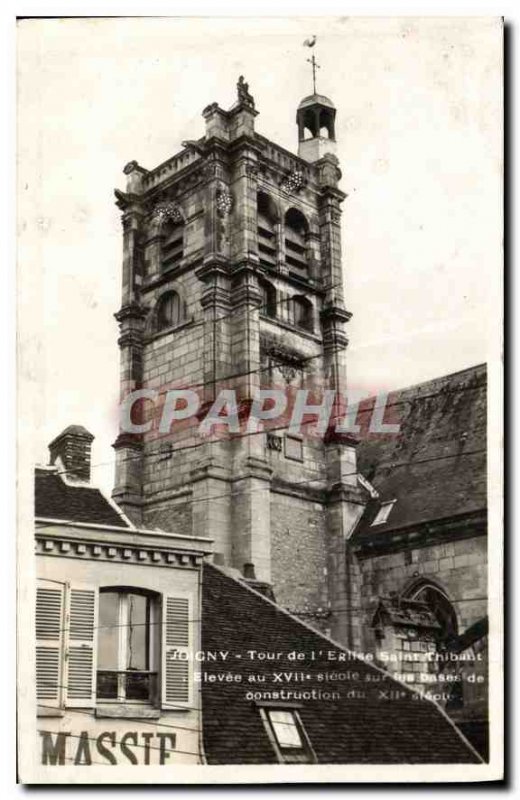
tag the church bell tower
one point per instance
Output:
(232, 279)
(315, 118)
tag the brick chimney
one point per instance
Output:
(72, 447)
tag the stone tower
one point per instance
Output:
(232, 278)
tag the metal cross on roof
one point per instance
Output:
(315, 66)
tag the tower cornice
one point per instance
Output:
(131, 311)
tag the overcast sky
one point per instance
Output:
(419, 140)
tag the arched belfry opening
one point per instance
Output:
(296, 230)
(172, 241)
(267, 221)
(326, 120)
(316, 120)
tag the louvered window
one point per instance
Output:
(177, 687)
(172, 249)
(65, 644)
(266, 229)
(81, 647)
(295, 240)
(50, 623)
(127, 657)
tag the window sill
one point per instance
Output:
(49, 712)
(127, 712)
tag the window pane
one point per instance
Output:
(139, 686)
(107, 685)
(285, 728)
(137, 633)
(108, 632)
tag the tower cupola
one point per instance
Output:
(316, 116)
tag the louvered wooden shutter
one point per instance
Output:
(82, 615)
(177, 673)
(50, 618)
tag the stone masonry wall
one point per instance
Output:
(459, 567)
(299, 556)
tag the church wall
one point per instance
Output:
(459, 567)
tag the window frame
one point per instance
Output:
(269, 299)
(152, 647)
(304, 306)
(291, 437)
(383, 512)
(288, 754)
(175, 319)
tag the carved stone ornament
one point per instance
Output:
(126, 222)
(211, 170)
(167, 210)
(252, 170)
(274, 442)
(288, 361)
(288, 371)
(294, 182)
(224, 202)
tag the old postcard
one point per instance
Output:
(260, 329)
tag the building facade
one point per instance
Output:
(117, 608)
(233, 280)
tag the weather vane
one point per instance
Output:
(310, 43)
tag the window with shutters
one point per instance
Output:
(114, 645)
(50, 624)
(177, 677)
(127, 668)
(65, 644)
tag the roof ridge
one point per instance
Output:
(446, 378)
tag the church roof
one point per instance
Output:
(435, 467)
(316, 100)
(363, 729)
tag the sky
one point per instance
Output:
(419, 140)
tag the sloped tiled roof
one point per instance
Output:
(435, 467)
(56, 499)
(351, 730)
